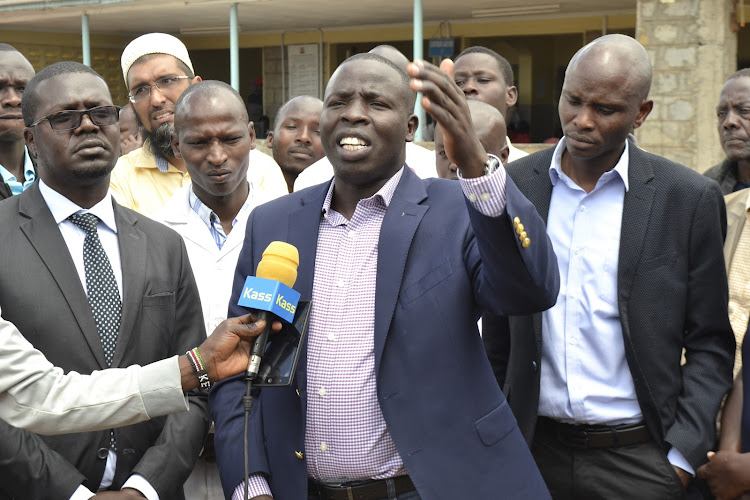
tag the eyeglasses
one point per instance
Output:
(69, 120)
(166, 83)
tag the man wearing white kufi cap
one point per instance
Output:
(157, 70)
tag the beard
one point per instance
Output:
(160, 140)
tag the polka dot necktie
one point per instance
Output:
(101, 289)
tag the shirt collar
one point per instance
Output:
(384, 194)
(207, 215)
(621, 168)
(28, 169)
(62, 208)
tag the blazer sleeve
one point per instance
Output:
(508, 278)
(708, 339)
(45, 474)
(37, 396)
(170, 460)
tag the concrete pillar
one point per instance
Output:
(693, 51)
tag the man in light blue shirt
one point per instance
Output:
(596, 381)
(16, 169)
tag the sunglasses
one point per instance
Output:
(101, 116)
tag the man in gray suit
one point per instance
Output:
(596, 381)
(94, 285)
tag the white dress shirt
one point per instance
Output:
(585, 377)
(61, 209)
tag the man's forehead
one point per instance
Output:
(303, 109)
(15, 63)
(735, 86)
(201, 108)
(71, 89)
(154, 62)
(369, 74)
(477, 62)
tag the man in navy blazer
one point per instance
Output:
(440, 263)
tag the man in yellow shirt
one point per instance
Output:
(157, 70)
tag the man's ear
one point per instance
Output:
(411, 128)
(504, 154)
(196, 79)
(176, 146)
(643, 110)
(269, 140)
(28, 135)
(511, 96)
(251, 131)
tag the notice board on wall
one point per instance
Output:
(304, 70)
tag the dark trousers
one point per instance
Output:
(638, 471)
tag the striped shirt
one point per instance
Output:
(211, 220)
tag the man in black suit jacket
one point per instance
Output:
(596, 381)
(44, 289)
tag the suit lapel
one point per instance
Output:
(40, 228)
(401, 220)
(304, 223)
(636, 216)
(133, 248)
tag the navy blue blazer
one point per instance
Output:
(440, 265)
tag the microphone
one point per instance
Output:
(270, 293)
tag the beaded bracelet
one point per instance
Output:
(200, 369)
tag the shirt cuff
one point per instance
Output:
(82, 493)
(258, 486)
(487, 192)
(675, 458)
(160, 386)
(138, 482)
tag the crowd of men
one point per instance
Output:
(612, 284)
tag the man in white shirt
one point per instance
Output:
(213, 137)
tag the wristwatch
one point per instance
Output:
(492, 164)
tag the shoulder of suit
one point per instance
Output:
(147, 225)
(542, 159)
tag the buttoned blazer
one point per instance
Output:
(736, 207)
(41, 293)
(440, 264)
(671, 293)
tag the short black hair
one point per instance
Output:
(5, 47)
(208, 88)
(741, 73)
(30, 97)
(405, 80)
(502, 63)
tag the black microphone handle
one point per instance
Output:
(259, 345)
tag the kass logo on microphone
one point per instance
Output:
(269, 295)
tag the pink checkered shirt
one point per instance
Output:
(347, 437)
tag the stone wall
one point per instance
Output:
(693, 51)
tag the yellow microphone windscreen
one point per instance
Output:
(279, 263)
